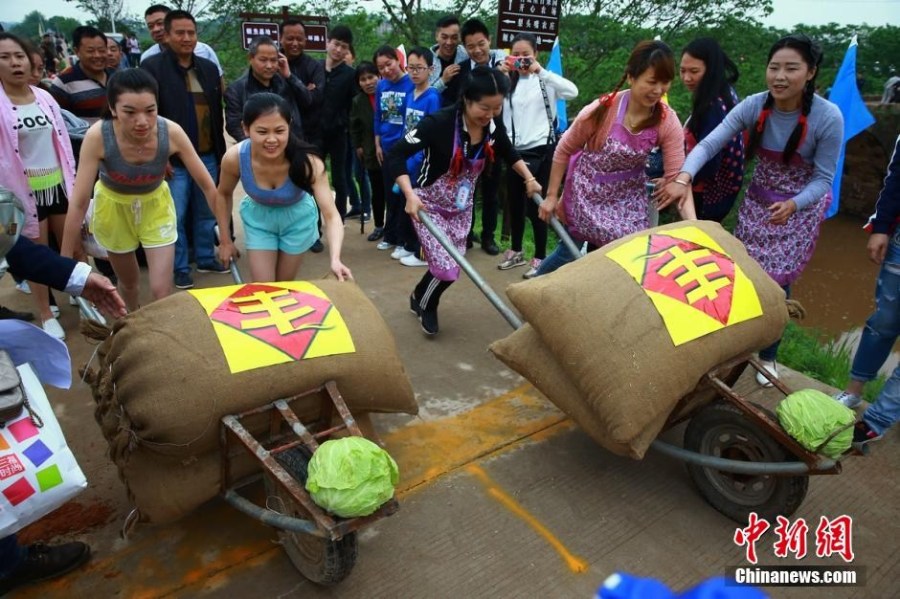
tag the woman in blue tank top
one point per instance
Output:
(286, 187)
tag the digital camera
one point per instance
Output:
(519, 62)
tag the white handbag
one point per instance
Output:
(38, 472)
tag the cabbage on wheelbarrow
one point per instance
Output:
(351, 477)
(811, 417)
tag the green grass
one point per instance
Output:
(815, 354)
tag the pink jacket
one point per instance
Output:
(582, 135)
(12, 171)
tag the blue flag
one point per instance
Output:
(555, 66)
(857, 117)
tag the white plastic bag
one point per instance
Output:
(90, 244)
(38, 472)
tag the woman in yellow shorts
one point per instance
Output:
(132, 204)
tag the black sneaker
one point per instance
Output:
(862, 436)
(414, 306)
(470, 241)
(215, 267)
(489, 247)
(353, 212)
(7, 314)
(429, 320)
(318, 247)
(377, 234)
(44, 562)
(183, 280)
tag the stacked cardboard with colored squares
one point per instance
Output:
(38, 472)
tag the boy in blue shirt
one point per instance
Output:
(423, 101)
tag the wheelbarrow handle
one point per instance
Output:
(235, 272)
(88, 310)
(560, 230)
(511, 317)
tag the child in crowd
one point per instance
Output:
(423, 101)
(362, 135)
(390, 108)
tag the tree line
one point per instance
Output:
(596, 35)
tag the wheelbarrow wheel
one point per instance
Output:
(721, 430)
(321, 560)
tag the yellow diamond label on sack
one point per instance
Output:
(692, 282)
(263, 324)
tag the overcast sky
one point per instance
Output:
(787, 12)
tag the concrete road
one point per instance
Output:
(501, 495)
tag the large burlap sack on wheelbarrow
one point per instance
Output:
(167, 374)
(164, 488)
(633, 350)
(524, 352)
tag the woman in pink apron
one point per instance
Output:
(604, 152)
(458, 142)
(796, 137)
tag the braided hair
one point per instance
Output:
(811, 53)
(646, 55)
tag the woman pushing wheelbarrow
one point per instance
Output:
(457, 141)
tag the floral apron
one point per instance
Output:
(781, 250)
(449, 204)
(605, 190)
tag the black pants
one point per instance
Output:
(398, 229)
(377, 181)
(490, 207)
(539, 161)
(334, 145)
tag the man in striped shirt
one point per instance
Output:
(81, 89)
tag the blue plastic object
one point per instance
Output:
(627, 586)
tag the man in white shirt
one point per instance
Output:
(155, 17)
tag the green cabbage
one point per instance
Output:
(810, 417)
(351, 477)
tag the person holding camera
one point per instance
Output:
(529, 113)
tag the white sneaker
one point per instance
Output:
(73, 301)
(412, 260)
(399, 253)
(848, 399)
(54, 310)
(53, 328)
(384, 245)
(23, 287)
(772, 369)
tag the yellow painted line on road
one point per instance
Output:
(575, 563)
(424, 451)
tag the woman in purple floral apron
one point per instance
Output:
(458, 142)
(605, 150)
(796, 137)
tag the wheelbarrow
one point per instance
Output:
(737, 454)
(280, 438)
(321, 546)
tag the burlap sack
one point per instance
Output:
(164, 382)
(164, 489)
(524, 352)
(611, 341)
